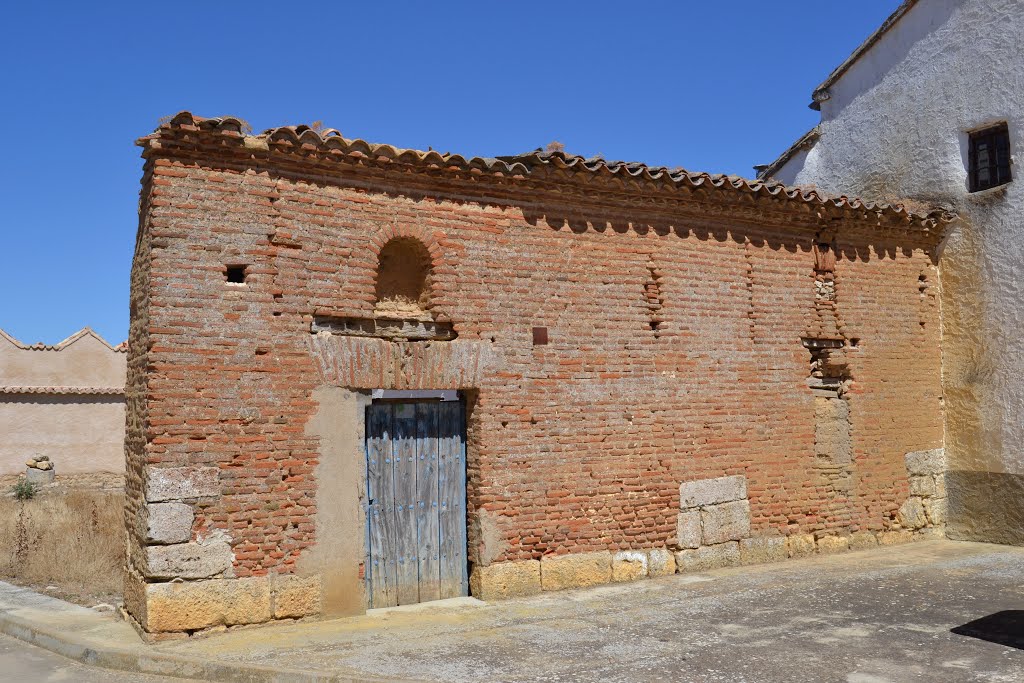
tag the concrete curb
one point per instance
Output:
(144, 661)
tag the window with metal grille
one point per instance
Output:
(989, 158)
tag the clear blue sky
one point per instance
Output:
(712, 86)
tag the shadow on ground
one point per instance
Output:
(1004, 628)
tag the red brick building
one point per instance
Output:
(362, 376)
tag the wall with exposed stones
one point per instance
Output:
(692, 330)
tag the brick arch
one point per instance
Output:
(419, 243)
(428, 239)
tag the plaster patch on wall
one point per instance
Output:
(341, 489)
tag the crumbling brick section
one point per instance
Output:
(679, 314)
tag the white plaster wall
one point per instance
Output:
(788, 173)
(895, 127)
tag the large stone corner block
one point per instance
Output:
(197, 605)
(725, 522)
(708, 557)
(167, 523)
(762, 550)
(801, 545)
(712, 491)
(179, 483)
(912, 514)
(926, 462)
(688, 529)
(660, 562)
(629, 565)
(297, 596)
(558, 572)
(188, 560)
(505, 580)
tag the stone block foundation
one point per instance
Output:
(505, 580)
(584, 570)
(713, 531)
(199, 605)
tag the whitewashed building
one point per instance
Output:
(930, 108)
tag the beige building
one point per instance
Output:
(65, 401)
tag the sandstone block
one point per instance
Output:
(688, 529)
(911, 514)
(629, 565)
(935, 509)
(660, 562)
(895, 537)
(930, 533)
(558, 572)
(923, 485)
(177, 483)
(833, 544)
(168, 522)
(188, 560)
(712, 491)
(762, 550)
(725, 522)
(863, 540)
(708, 557)
(926, 462)
(940, 486)
(800, 546)
(248, 600)
(505, 580)
(296, 596)
(195, 605)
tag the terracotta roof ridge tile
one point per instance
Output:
(64, 343)
(284, 137)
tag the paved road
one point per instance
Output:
(24, 663)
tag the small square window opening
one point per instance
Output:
(235, 274)
(989, 158)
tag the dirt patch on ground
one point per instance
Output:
(66, 542)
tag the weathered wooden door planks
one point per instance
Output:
(451, 455)
(428, 531)
(416, 512)
(380, 506)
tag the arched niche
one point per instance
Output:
(403, 279)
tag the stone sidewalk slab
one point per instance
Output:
(105, 641)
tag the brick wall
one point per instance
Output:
(674, 317)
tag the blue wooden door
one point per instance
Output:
(416, 502)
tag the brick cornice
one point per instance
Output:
(541, 184)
